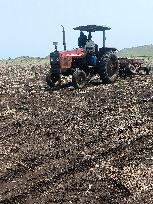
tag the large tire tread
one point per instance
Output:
(103, 69)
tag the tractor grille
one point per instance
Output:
(54, 62)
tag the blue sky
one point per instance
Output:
(28, 27)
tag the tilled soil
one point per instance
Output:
(93, 145)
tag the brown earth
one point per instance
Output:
(81, 146)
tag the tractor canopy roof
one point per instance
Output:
(92, 28)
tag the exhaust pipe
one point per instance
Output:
(64, 43)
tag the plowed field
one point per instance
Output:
(93, 145)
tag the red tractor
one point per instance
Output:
(84, 62)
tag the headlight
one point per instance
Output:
(54, 60)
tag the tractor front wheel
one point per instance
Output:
(52, 79)
(79, 79)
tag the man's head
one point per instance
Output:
(81, 33)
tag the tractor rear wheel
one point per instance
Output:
(79, 79)
(108, 68)
(52, 79)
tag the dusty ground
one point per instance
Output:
(83, 146)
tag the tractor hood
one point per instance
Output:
(66, 57)
(77, 53)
